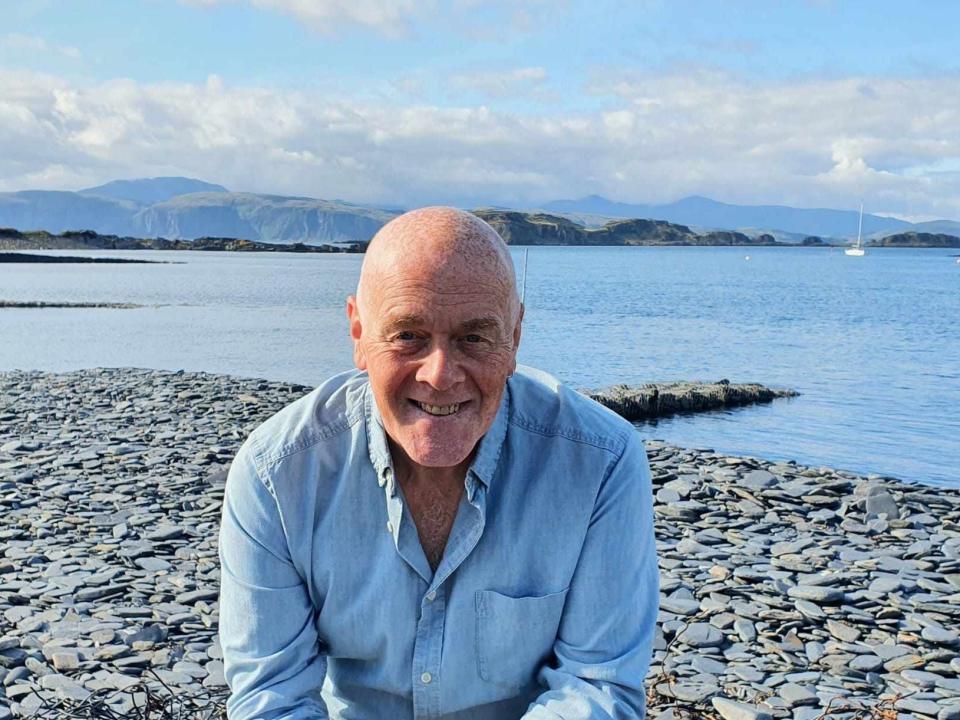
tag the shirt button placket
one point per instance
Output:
(426, 656)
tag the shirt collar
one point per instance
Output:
(484, 464)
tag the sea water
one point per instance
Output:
(872, 344)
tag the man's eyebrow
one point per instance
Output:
(481, 323)
(402, 322)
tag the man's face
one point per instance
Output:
(438, 345)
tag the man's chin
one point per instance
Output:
(445, 453)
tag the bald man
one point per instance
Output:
(438, 534)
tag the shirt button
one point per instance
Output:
(431, 596)
(426, 678)
(389, 527)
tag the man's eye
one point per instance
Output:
(472, 339)
(405, 336)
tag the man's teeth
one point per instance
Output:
(438, 409)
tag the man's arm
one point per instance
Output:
(270, 654)
(606, 634)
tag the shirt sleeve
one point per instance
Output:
(605, 639)
(271, 659)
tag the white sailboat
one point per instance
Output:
(857, 250)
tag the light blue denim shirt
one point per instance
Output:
(543, 605)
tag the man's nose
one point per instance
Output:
(440, 369)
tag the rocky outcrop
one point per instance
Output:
(518, 228)
(918, 240)
(660, 399)
(643, 232)
(21, 257)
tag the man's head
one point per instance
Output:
(436, 324)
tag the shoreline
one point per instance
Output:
(782, 586)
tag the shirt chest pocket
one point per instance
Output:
(515, 635)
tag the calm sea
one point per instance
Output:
(873, 343)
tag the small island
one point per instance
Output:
(917, 240)
(516, 228)
(11, 239)
(22, 257)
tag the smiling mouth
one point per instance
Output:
(437, 410)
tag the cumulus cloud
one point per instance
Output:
(813, 143)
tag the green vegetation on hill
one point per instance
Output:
(518, 228)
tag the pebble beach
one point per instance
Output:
(786, 591)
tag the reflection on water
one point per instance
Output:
(871, 342)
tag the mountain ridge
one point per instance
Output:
(713, 214)
(156, 207)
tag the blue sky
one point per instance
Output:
(411, 101)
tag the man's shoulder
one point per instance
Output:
(327, 411)
(543, 405)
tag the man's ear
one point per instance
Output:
(356, 331)
(516, 329)
(516, 338)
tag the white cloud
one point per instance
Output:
(18, 43)
(387, 16)
(486, 19)
(817, 143)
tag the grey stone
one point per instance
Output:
(731, 710)
(920, 678)
(950, 712)
(879, 501)
(795, 695)
(701, 635)
(817, 594)
(866, 663)
(915, 705)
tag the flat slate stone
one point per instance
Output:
(701, 635)
(732, 710)
(817, 594)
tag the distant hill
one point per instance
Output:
(184, 208)
(269, 218)
(148, 191)
(57, 211)
(947, 227)
(708, 213)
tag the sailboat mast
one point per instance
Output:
(860, 225)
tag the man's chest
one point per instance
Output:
(433, 513)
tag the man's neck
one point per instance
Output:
(412, 474)
(433, 495)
